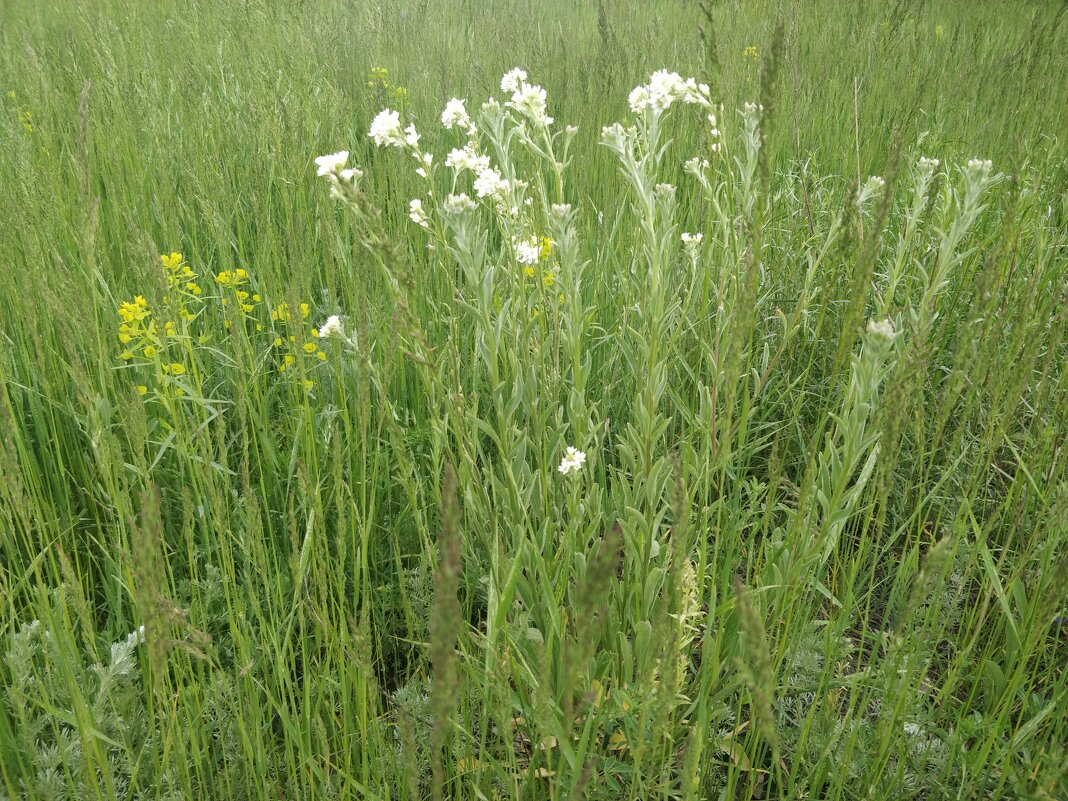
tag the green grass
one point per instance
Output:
(803, 559)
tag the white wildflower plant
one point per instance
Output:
(572, 462)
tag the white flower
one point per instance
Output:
(455, 114)
(513, 79)
(929, 165)
(872, 187)
(386, 129)
(696, 166)
(454, 204)
(561, 209)
(665, 88)
(639, 98)
(490, 183)
(328, 165)
(526, 251)
(416, 213)
(572, 462)
(530, 101)
(411, 138)
(882, 328)
(467, 158)
(332, 327)
(692, 243)
(980, 166)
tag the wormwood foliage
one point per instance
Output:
(499, 457)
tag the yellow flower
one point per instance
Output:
(939, 30)
(309, 347)
(223, 278)
(278, 342)
(546, 247)
(177, 368)
(290, 358)
(256, 298)
(281, 314)
(308, 384)
(126, 356)
(241, 294)
(150, 351)
(124, 338)
(142, 390)
(749, 52)
(528, 271)
(321, 355)
(305, 310)
(247, 307)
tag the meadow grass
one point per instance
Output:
(287, 508)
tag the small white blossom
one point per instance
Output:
(882, 328)
(455, 115)
(980, 166)
(332, 327)
(692, 239)
(416, 213)
(467, 158)
(530, 101)
(527, 250)
(386, 129)
(639, 98)
(664, 88)
(572, 462)
(454, 204)
(490, 183)
(328, 165)
(411, 138)
(929, 165)
(513, 79)
(561, 209)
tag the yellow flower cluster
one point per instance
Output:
(545, 269)
(152, 344)
(25, 116)
(147, 348)
(182, 281)
(750, 53)
(383, 90)
(235, 286)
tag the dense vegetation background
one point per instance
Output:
(805, 558)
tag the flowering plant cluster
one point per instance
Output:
(166, 344)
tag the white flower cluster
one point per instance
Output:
(455, 116)
(980, 167)
(334, 168)
(417, 214)
(467, 158)
(872, 187)
(386, 130)
(332, 327)
(929, 165)
(457, 204)
(528, 99)
(526, 250)
(573, 461)
(489, 183)
(663, 89)
(883, 329)
(692, 242)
